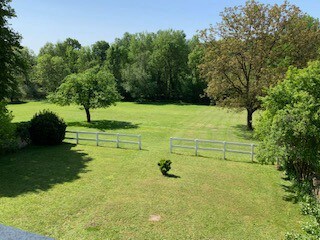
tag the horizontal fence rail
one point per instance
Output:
(117, 138)
(224, 146)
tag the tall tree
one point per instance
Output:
(92, 89)
(99, 50)
(251, 49)
(9, 43)
(138, 75)
(25, 86)
(196, 84)
(170, 58)
(117, 58)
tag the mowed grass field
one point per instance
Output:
(90, 192)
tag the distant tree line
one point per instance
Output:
(146, 67)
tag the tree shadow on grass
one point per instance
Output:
(291, 194)
(36, 169)
(16, 102)
(103, 125)
(242, 131)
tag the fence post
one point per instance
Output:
(197, 146)
(224, 150)
(77, 138)
(140, 145)
(171, 145)
(118, 144)
(97, 138)
(252, 152)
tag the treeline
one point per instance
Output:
(146, 66)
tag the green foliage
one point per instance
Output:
(252, 48)
(9, 43)
(170, 59)
(154, 66)
(7, 136)
(196, 84)
(23, 131)
(117, 58)
(91, 89)
(138, 82)
(99, 50)
(46, 128)
(50, 72)
(86, 59)
(290, 125)
(311, 230)
(26, 86)
(165, 166)
(146, 66)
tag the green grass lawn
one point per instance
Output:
(89, 192)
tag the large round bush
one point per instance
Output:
(46, 128)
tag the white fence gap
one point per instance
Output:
(224, 146)
(117, 138)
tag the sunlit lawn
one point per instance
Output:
(90, 192)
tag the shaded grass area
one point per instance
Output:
(38, 169)
(103, 125)
(89, 192)
(242, 132)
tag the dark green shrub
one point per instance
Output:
(165, 166)
(7, 136)
(46, 128)
(23, 132)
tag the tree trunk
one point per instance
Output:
(88, 114)
(249, 119)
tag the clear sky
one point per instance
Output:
(41, 21)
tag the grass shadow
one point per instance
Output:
(291, 195)
(36, 169)
(169, 175)
(103, 125)
(16, 102)
(242, 131)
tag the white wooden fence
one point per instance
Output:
(224, 146)
(97, 138)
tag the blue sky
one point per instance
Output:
(41, 21)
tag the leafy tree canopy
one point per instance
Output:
(251, 49)
(94, 88)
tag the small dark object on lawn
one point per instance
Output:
(165, 166)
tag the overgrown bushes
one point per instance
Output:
(46, 128)
(290, 125)
(289, 130)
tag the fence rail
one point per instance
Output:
(224, 148)
(117, 139)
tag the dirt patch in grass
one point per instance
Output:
(154, 218)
